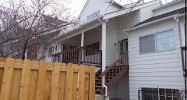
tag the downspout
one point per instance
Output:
(176, 18)
(104, 54)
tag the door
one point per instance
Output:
(123, 47)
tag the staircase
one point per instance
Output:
(112, 73)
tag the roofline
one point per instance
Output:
(167, 4)
(83, 8)
(152, 22)
(124, 11)
(112, 2)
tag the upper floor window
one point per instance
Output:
(93, 16)
(157, 42)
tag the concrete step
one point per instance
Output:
(99, 97)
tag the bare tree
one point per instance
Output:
(25, 28)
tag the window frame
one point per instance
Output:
(155, 51)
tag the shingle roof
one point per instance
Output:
(178, 11)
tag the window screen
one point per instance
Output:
(165, 41)
(147, 44)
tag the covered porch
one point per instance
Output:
(83, 45)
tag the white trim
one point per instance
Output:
(103, 41)
(82, 39)
(168, 4)
(125, 11)
(148, 23)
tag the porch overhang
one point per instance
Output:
(78, 30)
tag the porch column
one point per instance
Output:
(82, 39)
(82, 45)
(103, 41)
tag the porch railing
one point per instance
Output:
(122, 61)
(80, 55)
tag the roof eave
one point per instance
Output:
(146, 24)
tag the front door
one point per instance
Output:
(123, 47)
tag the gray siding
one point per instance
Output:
(121, 89)
(159, 69)
(146, 12)
(95, 5)
(111, 38)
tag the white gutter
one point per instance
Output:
(146, 24)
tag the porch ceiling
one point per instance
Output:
(80, 29)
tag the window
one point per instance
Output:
(94, 46)
(147, 44)
(93, 16)
(158, 94)
(158, 42)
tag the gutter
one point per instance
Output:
(146, 24)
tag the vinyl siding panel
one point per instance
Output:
(125, 22)
(158, 69)
(146, 12)
(121, 89)
(96, 5)
(92, 36)
(111, 50)
(167, 8)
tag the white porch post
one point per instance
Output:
(103, 40)
(82, 45)
(82, 39)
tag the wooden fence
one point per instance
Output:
(33, 80)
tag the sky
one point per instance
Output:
(77, 5)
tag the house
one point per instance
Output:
(136, 48)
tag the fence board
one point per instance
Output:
(48, 80)
(55, 85)
(7, 79)
(45, 81)
(81, 83)
(1, 73)
(40, 91)
(33, 81)
(69, 79)
(14, 92)
(92, 84)
(2, 59)
(25, 80)
(62, 83)
(75, 81)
